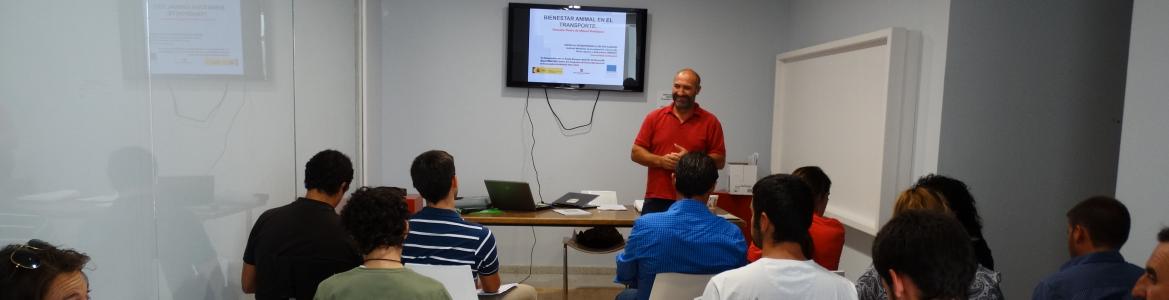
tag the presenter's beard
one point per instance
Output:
(683, 102)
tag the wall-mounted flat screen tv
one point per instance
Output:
(576, 47)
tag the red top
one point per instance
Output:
(827, 242)
(701, 132)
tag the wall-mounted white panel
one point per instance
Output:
(843, 106)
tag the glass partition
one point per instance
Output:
(151, 134)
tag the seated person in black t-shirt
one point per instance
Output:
(293, 248)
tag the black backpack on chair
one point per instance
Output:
(601, 238)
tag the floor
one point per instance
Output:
(580, 286)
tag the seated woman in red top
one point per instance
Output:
(827, 233)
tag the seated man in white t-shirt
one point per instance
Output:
(782, 208)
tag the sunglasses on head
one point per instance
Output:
(26, 256)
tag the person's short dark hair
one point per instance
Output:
(695, 174)
(376, 217)
(328, 171)
(931, 248)
(1106, 219)
(816, 179)
(432, 172)
(1163, 236)
(18, 282)
(788, 202)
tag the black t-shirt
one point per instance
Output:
(295, 247)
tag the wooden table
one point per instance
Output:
(547, 217)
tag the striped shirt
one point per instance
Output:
(441, 237)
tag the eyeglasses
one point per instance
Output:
(26, 256)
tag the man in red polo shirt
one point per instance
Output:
(670, 132)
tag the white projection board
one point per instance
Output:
(849, 107)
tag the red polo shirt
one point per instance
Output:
(827, 243)
(701, 132)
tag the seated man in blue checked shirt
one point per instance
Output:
(687, 238)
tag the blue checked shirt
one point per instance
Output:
(687, 238)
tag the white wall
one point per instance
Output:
(1143, 169)
(443, 89)
(812, 22)
(73, 96)
(1034, 93)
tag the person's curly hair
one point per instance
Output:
(376, 217)
(21, 283)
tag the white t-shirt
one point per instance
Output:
(769, 278)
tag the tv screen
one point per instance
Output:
(576, 47)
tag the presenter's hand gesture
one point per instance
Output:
(669, 161)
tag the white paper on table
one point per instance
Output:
(611, 207)
(502, 289)
(729, 216)
(638, 204)
(572, 212)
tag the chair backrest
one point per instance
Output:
(457, 280)
(678, 286)
(603, 197)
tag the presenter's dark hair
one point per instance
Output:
(1106, 219)
(1163, 236)
(788, 202)
(931, 248)
(432, 172)
(961, 202)
(23, 283)
(816, 179)
(328, 171)
(376, 217)
(695, 174)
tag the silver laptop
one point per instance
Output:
(512, 195)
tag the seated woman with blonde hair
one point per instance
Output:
(985, 284)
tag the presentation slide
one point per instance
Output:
(576, 47)
(195, 37)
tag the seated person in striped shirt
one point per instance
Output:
(686, 238)
(439, 236)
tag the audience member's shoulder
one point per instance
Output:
(986, 284)
(653, 220)
(829, 221)
(335, 282)
(648, 218)
(483, 230)
(840, 281)
(868, 285)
